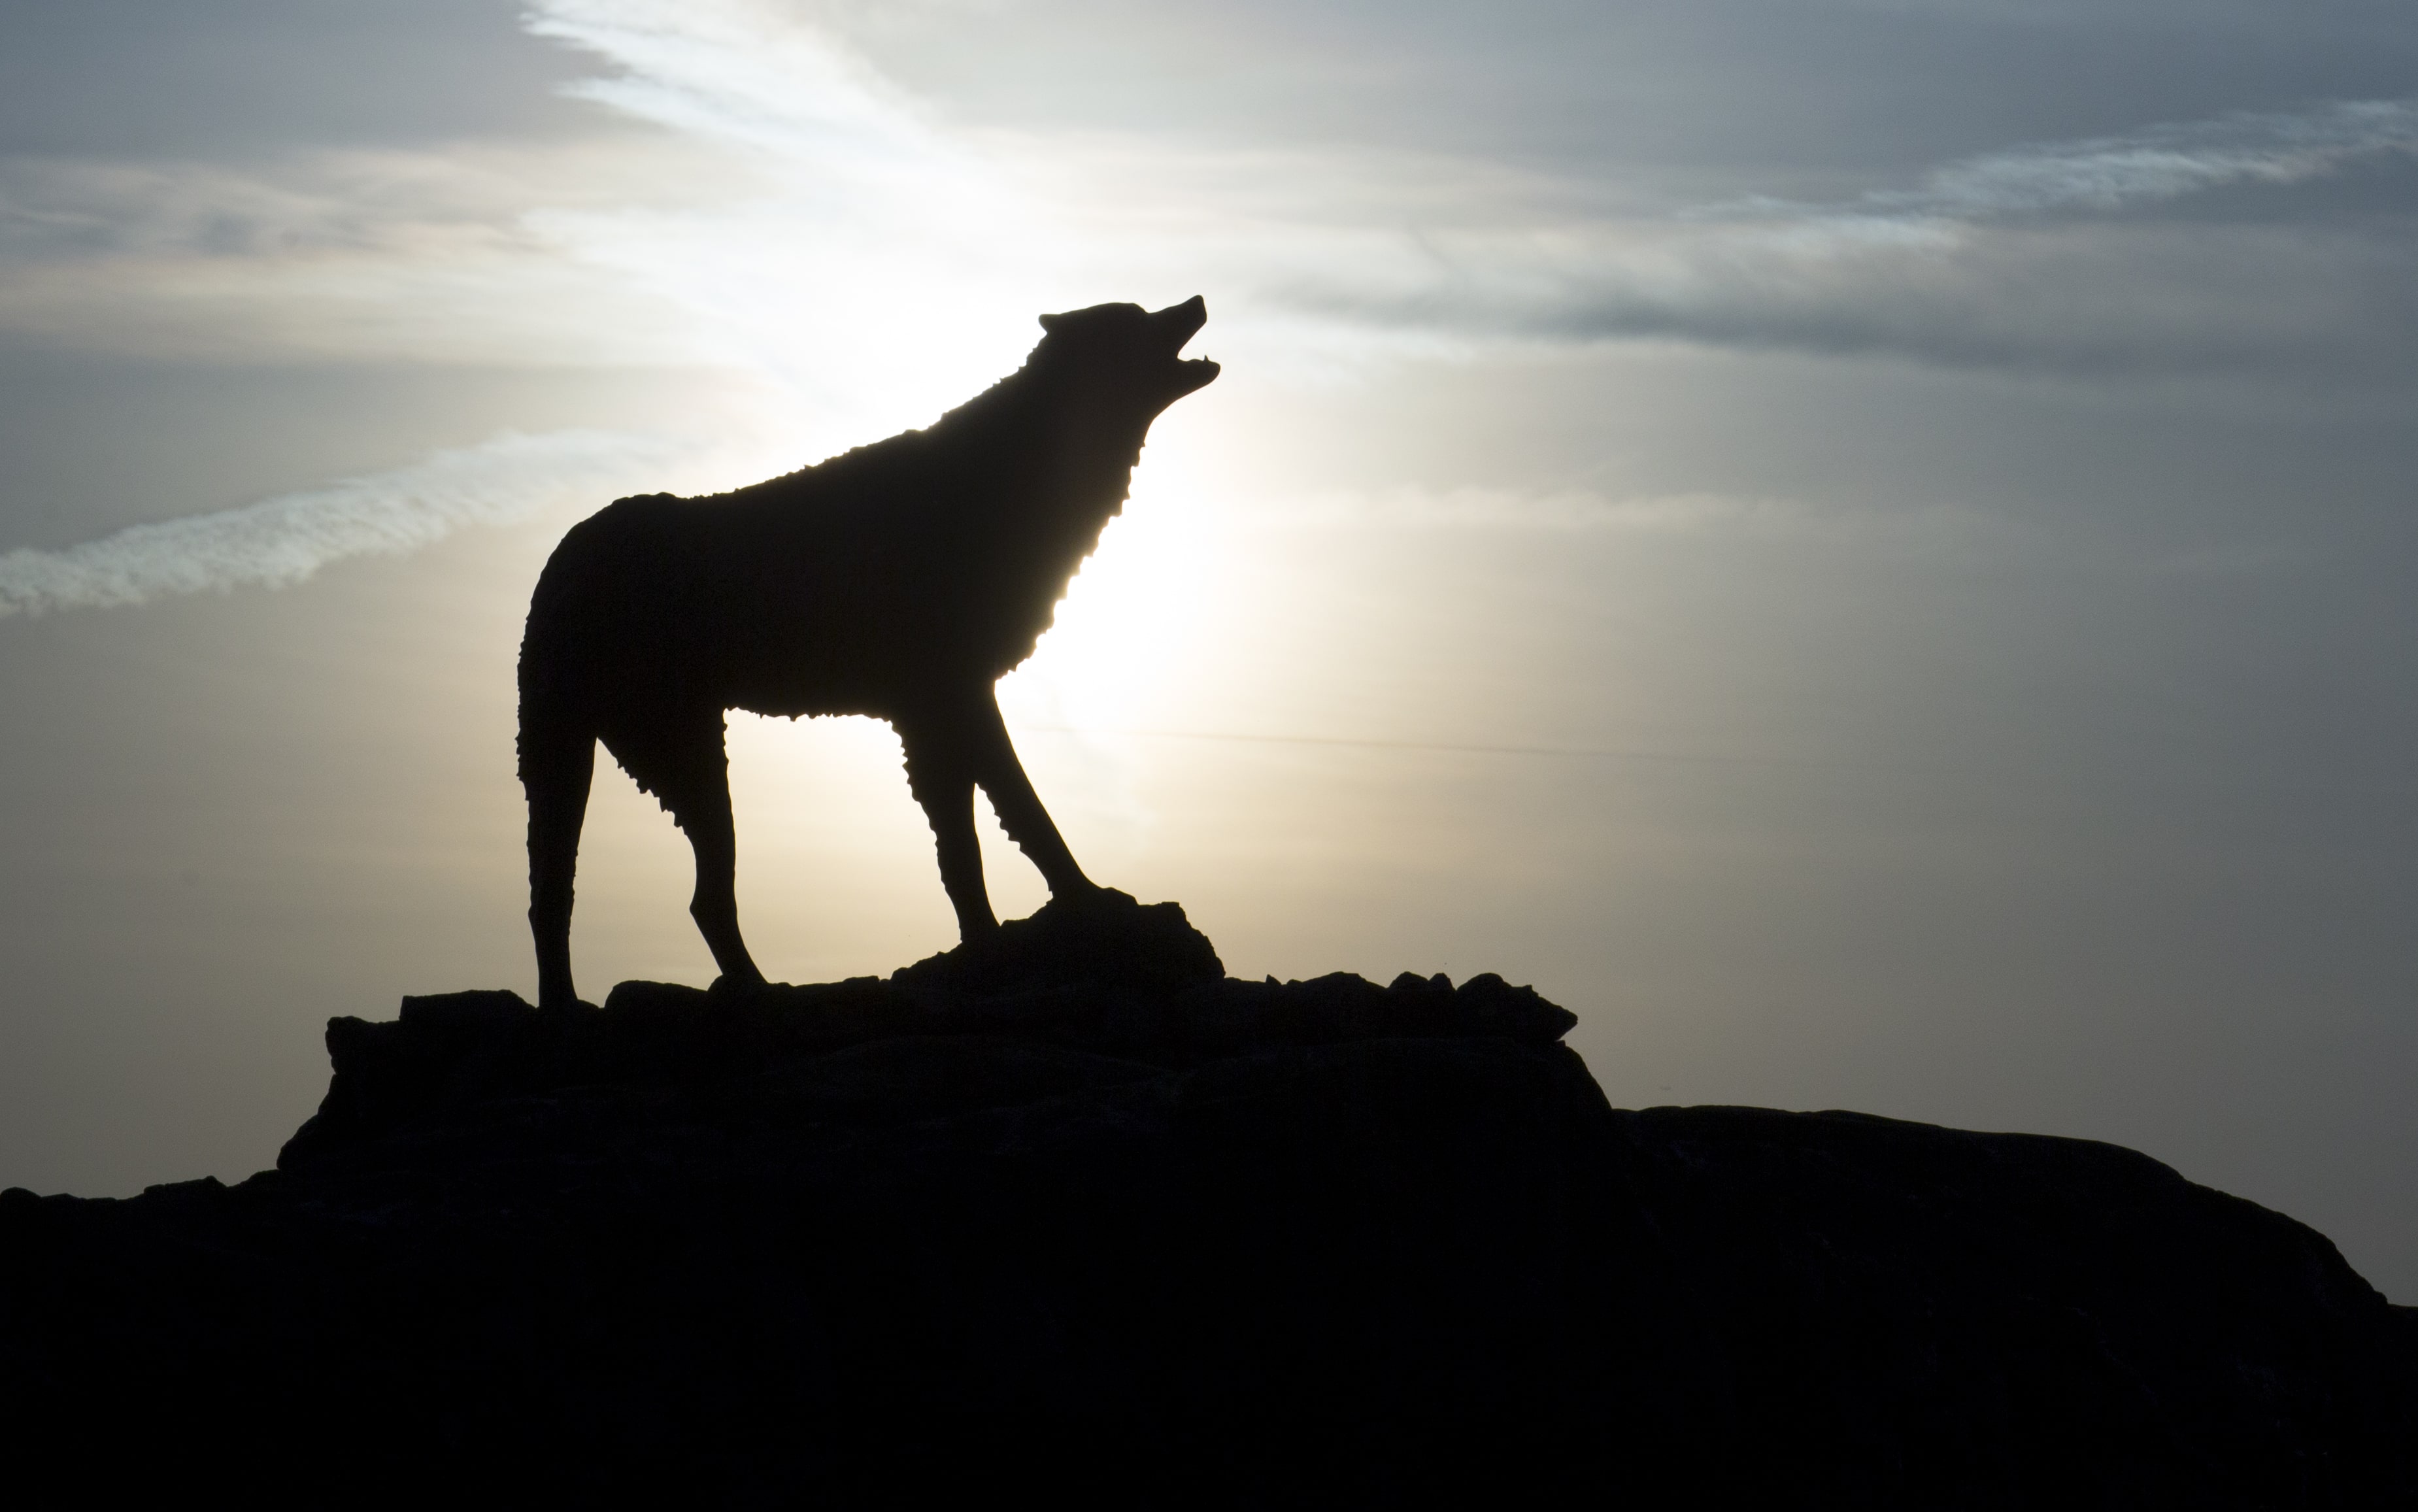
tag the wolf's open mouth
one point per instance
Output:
(1181, 323)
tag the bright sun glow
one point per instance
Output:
(1135, 619)
(874, 272)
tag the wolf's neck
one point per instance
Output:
(1065, 482)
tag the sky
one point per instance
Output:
(1863, 546)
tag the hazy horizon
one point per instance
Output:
(1863, 547)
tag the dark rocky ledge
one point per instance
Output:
(1076, 1214)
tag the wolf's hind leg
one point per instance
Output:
(1018, 806)
(942, 780)
(699, 799)
(555, 771)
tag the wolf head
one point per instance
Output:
(1127, 356)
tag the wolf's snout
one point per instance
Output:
(1181, 321)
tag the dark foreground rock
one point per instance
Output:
(1079, 1215)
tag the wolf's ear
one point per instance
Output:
(1052, 323)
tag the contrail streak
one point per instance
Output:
(283, 541)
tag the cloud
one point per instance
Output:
(749, 73)
(2006, 259)
(2159, 163)
(796, 215)
(350, 257)
(283, 541)
(2254, 302)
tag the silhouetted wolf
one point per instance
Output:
(901, 580)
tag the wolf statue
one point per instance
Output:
(901, 580)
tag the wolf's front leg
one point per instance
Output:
(1018, 806)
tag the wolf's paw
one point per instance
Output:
(1086, 898)
(729, 988)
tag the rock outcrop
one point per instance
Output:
(1079, 1214)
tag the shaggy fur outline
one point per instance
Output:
(899, 580)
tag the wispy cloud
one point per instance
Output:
(350, 258)
(2005, 259)
(752, 73)
(896, 233)
(283, 541)
(876, 265)
(2161, 163)
(803, 218)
